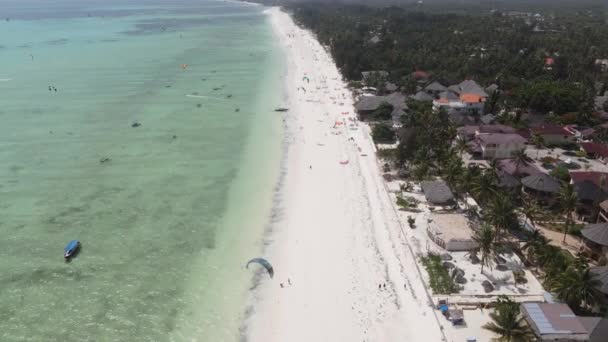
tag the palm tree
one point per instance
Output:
(494, 165)
(508, 322)
(520, 158)
(467, 178)
(568, 202)
(577, 287)
(491, 105)
(485, 238)
(535, 246)
(501, 213)
(539, 142)
(461, 146)
(530, 209)
(484, 186)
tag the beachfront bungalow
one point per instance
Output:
(542, 187)
(435, 88)
(438, 193)
(422, 97)
(595, 238)
(589, 198)
(451, 232)
(553, 134)
(498, 145)
(557, 322)
(368, 104)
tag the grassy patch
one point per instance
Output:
(440, 280)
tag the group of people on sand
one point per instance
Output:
(288, 281)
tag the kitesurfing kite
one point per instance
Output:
(264, 263)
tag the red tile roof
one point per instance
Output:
(471, 98)
(419, 74)
(598, 178)
(551, 130)
(595, 148)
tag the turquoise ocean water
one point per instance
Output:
(167, 212)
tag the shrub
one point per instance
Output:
(383, 112)
(402, 202)
(383, 134)
(560, 173)
(439, 278)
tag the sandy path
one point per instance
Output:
(338, 237)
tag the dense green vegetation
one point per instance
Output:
(439, 278)
(453, 47)
(383, 134)
(544, 63)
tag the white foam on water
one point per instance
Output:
(205, 97)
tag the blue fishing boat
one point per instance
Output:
(71, 249)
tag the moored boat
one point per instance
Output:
(71, 249)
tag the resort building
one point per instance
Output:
(437, 193)
(557, 322)
(554, 135)
(595, 151)
(510, 167)
(368, 104)
(435, 88)
(422, 97)
(469, 132)
(451, 232)
(467, 97)
(542, 187)
(600, 179)
(595, 237)
(589, 198)
(499, 146)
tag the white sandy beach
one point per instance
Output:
(339, 235)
